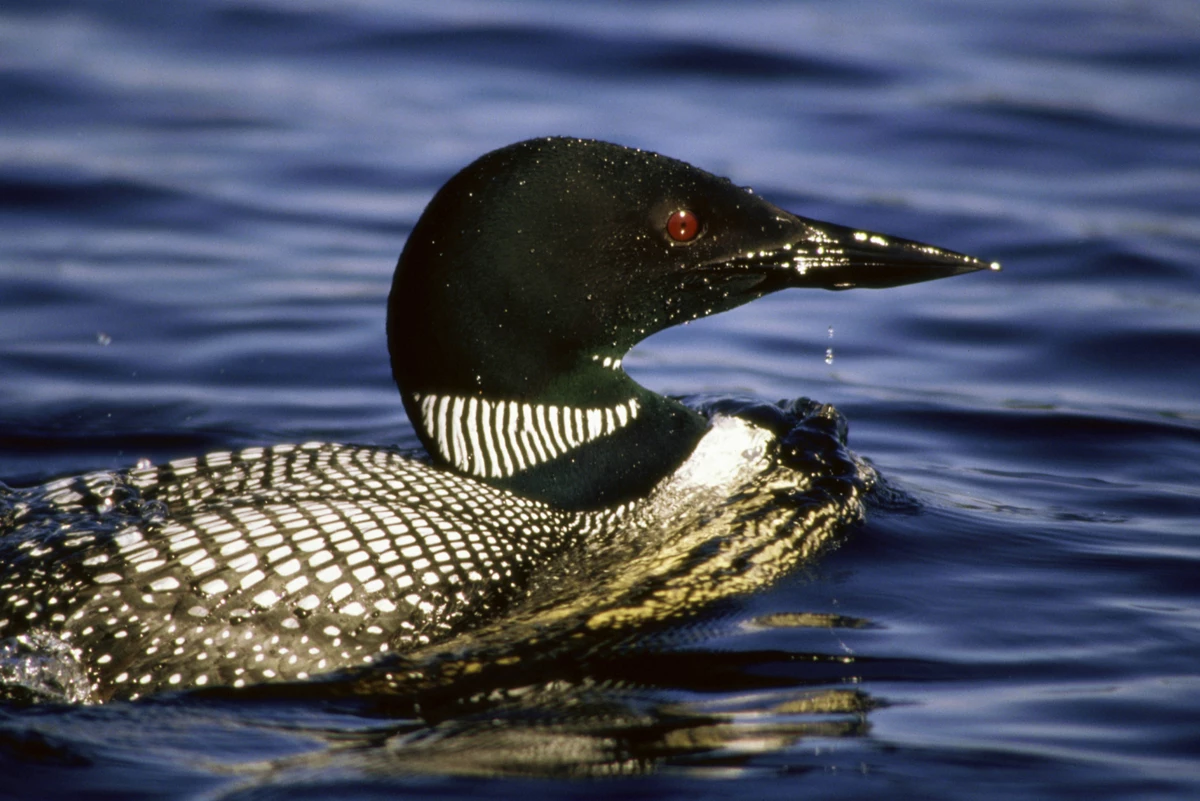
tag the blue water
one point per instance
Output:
(200, 207)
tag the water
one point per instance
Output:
(202, 204)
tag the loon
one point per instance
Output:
(522, 286)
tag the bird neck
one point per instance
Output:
(592, 441)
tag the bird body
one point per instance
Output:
(520, 290)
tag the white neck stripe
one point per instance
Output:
(511, 433)
(496, 439)
(460, 441)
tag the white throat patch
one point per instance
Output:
(732, 453)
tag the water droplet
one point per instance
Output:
(103, 338)
(154, 511)
(831, 332)
(105, 486)
(829, 355)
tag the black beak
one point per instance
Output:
(827, 256)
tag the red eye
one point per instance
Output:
(683, 226)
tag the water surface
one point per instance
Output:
(201, 206)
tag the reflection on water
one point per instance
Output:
(612, 711)
(612, 733)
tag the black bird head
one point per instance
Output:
(537, 267)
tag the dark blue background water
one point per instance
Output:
(200, 207)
